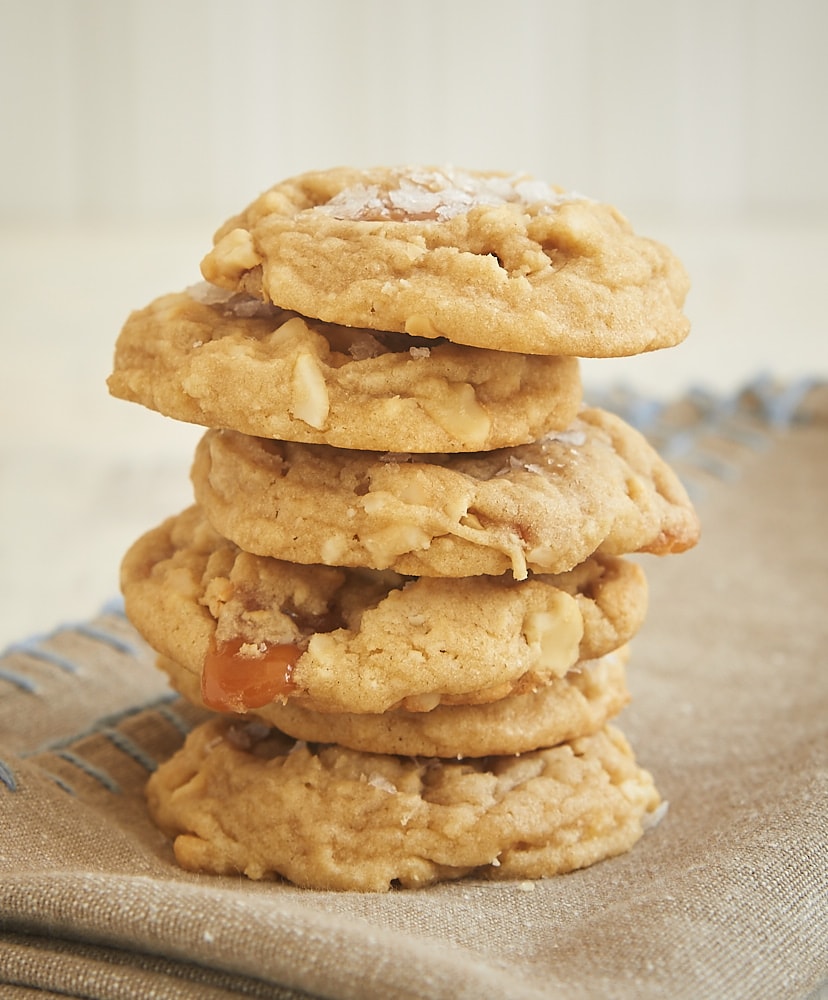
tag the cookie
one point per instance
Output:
(221, 360)
(242, 799)
(481, 258)
(258, 630)
(577, 704)
(545, 507)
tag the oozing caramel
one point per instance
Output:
(238, 676)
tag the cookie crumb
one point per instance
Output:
(571, 437)
(381, 782)
(651, 820)
(365, 346)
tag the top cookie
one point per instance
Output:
(485, 259)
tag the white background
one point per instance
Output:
(131, 129)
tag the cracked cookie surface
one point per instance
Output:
(481, 258)
(209, 357)
(257, 630)
(598, 486)
(243, 799)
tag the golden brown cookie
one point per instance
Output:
(222, 360)
(237, 799)
(577, 704)
(259, 630)
(543, 507)
(487, 259)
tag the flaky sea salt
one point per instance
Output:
(573, 438)
(243, 306)
(381, 782)
(365, 346)
(439, 195)
(207, 294)
(246, 307)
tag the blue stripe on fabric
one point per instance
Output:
(62, 785)
(29, 648)
(169, 713)
(780, 406)
(112, 721)
(128, 746)
(7, 777)
(114, 606)
(106, 723)
(99, 635)
(108, 782)
(19, 680)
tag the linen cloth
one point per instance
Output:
(727, 897)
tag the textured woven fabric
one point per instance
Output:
(726, 897)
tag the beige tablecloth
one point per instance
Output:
(726, 898)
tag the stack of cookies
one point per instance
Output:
(402, 590)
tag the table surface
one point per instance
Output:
(82, 474)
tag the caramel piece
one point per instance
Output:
(238, 676)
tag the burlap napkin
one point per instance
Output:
(727, 897)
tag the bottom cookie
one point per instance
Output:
(577, 704)
(240, 797)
